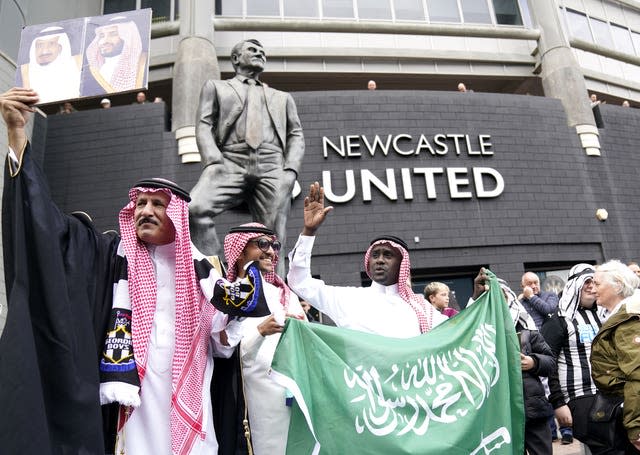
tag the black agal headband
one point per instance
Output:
(251, 230)
(392, 238)
(157, 182)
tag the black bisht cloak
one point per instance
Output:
(59, 273)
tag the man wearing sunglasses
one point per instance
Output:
(258, 337)
(388, 307)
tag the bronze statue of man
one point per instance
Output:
(250, 139)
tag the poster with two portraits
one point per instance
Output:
(86, 57)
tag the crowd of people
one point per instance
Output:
(155, 312)
(105, 103)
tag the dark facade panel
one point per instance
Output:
(442, 204)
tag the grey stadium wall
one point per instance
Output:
(480, 179)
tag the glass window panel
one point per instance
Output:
(409, 10)
(301, 8)
(374, 9)
(507, 12)
(263, 8)
(476, 11)
(579, 26)
(117, 6)
(622, 38)
(636, 41)
(443, 11)
(228, 8)
(601, 33)
(526, 15)
(337, 8)
(161, 9)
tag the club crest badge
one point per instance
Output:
(117, 356)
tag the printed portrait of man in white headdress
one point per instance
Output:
(117, 56)
(52, 70)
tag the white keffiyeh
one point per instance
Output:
(58, 80)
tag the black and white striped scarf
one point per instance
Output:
(120, 378)
(570, 296)
(518, 312)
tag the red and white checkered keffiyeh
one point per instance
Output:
(125, 75)
(193, 318)
(424, 311)
(234, 245)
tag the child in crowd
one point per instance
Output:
(437, 294)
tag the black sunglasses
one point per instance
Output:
(264, 244)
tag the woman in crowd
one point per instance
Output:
(615, 353)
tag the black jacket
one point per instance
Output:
(532, 344)
(59, 274)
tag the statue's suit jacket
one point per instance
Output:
(222, 102)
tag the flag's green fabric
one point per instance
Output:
(456, 390)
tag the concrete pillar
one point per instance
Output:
(561, 75)
(196, 62)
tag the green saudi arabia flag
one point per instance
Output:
(456, 390)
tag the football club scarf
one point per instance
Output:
(193, 314)
(518, 312)
(234, 244)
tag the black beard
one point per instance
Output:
(117, 50)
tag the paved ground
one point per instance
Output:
(570, 449)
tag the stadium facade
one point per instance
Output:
(509, 176)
